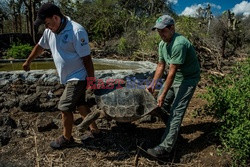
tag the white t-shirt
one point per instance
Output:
(67, 48)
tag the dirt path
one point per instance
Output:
(196, 144)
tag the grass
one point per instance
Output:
(51, 65)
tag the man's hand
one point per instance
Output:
(151, 88)
(26, 66)
(158, 74)
(37, 50)
(160, 100)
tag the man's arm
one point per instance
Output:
(36, 51)
(158, 74)
(88, 64)
(168, 82)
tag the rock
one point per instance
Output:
(1, 98)
(45, 123)
(6, 120)
(11, 103)
(4, 110)
(30, 103)
(18, 89)
(6, 163)
(51, 80)
(21, 124)
(1, 102)
(17, 78)
(50, 94)
(44, 94)
(43, 88)
(33, 77)
(5, 135)
(48, 106)
(185, 159)
(7, 124)
(19, 133)
(4, 82)
(31, 89)
(41, 79)
(18, 81)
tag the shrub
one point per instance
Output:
(20, 51)
(124, 47)
(229, 101)
(148, 41)
(189, 26)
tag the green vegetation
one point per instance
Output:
(229, 101)
(124, 48)
(123, 28)
(128, 23)
(147, 44)
(19, 51)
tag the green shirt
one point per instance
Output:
(181, 51)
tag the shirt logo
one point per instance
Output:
(65, 38)
(83, 42)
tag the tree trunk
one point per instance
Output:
(30, 5)
(223, 48)
(33, 10)
(27, 21)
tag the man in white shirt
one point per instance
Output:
(68, 42)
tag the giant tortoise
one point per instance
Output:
(122, 105)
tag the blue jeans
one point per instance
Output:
(175, 103)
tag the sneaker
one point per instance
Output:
(158, 152)
(62, 142)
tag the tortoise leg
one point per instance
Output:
(91, 117)
(158, 112)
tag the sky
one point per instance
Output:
(188, 7)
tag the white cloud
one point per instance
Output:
(192, 10)
(172, 1)
(214, 6)
(242, 8)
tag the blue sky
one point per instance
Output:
(188, 7)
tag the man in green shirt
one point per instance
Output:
(176, 52)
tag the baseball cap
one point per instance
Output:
(163, 22)
(46, 10)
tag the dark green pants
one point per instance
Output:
(176, 103)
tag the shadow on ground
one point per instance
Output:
(125, 139)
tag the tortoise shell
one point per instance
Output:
(125, 104)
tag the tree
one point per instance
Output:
(3, 16)
(31, 6)
(16, 13)
(146, 7)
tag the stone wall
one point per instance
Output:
(39, 91)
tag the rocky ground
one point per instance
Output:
(29, 121)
